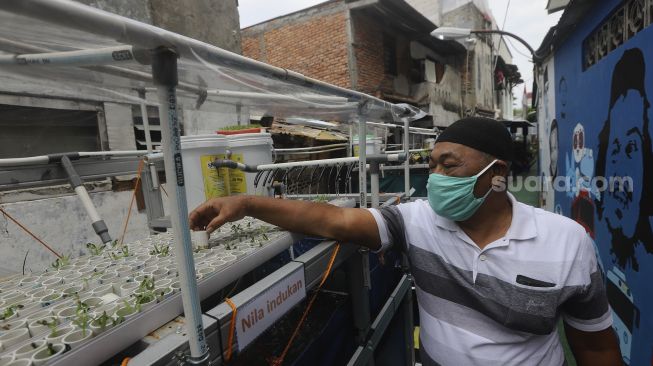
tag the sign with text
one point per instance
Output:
(262, 311)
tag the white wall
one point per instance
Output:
(546, 115)
(429, 8)
(63, 224)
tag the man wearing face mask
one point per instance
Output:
(492, 275)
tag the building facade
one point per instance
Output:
(381, 48)
(384, 48)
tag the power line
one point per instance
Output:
(529, 57)
(505, 16)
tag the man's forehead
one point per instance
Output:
(446, 149)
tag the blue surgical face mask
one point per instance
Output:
(453, 197)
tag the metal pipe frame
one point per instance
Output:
(364, 354)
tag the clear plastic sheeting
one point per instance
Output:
(209, 77)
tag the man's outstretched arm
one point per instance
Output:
(594, 348)
(353, 225)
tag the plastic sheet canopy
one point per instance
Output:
(209, 78)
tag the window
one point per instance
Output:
(139, 129)
(624, 23)
(31, 131)
(389, 55)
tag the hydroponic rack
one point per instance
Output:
(62, 48)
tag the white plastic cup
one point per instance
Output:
(42, 356)
(201, 239)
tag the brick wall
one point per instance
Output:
(368, 49)
(313, 43)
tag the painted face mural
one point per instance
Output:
(580, 169)
(624, 154)
(625, 159)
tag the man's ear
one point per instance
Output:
(500, 168)
(500, 171)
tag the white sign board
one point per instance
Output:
(261, 312)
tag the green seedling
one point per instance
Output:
(130, 308)
(92, 276)
(103, 320)
(95, 249)
(10, 311)
(124, 253)
(61, 262)
(52, 325)
(160, 250)
(51, 350)
(147, 284)
(82, 318)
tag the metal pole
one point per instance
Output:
(407, 163)
(374, 183)
(362, 160)
(164, 72)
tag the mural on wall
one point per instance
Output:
(625, 151)
(605, 148)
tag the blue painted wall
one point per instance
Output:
(603, 131)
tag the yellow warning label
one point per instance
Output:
(216, 181)
(237, 179)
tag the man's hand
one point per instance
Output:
(348, 225)
(216, 212)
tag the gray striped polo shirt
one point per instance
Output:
(498, 305)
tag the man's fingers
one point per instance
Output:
(201, 216)
(216, 223)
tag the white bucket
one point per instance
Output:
(251, 149)
(373, 145)
(201, 180)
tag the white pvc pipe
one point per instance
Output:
(400, 151)
(32, 160)
(311, 152)
(362, 161)
(87, 203)
(116, 153)
(407, 162)
(414, 130)
(265, 97)
(171, 143)
(45, 159)
(310, 148)
(88, 57)
(326, 162)
(148, 142)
